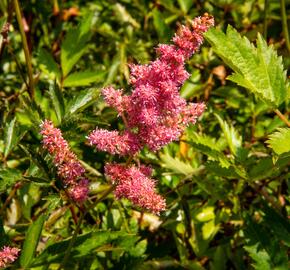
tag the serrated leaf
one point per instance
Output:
(47, 64)
(263, 248)
(83, 78)
(57, 101)
(82, 101)
(31, 242)
(260, 70)
(32, 110)
(277, 224)
(36, 159)
(8, 177)
(177, 165)
(279, 141)
(229, 172)
(208, 147)
(74, 45)
(233, 138)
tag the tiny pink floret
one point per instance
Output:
(8, 255)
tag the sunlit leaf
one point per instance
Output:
(84, 78)
(260, 70)
(31, 241)
(279, 141)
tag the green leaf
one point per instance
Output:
(191, 86)
(82, 101)
(185, 5)
(177, 165)
(280, 141)
(206, 145)
(277, 224)
(74, 45)
(37, 159)
(57, 101)
(161, 27)
(122, 15)
(233, 138)
(83, 78)
(12, 136)
(9, 177)
(260, 70)
(86, 244)
(263, 248)
(31, 242)
(47, 64)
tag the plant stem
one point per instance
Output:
(266, 4)
(25, 48)
(284, 23)
(282, 117)
(82, 215)
(10, 197)
(72, 241)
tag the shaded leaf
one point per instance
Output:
(74, 45)
(263, 248)
(57, 101)
(48, 64)
(86, 244)
(9, 177)
(12, 136)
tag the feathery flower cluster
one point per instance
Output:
(154, 114)
(8, 255)
(68, 167)
(134, 184)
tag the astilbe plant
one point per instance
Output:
(8, 255)
(154, 114)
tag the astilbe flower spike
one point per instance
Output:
(154, 113)
(8, 255)
(69, 168)
(134, 184)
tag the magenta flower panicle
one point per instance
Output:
(154, 113)
(134, 184)
(68, 166)
(8, 255)
(155, 110)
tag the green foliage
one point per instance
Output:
(83, 78)
(31, 240)
(74, 45)
(259, 69)
(280, 141)
(8, 177)
(226, 182)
